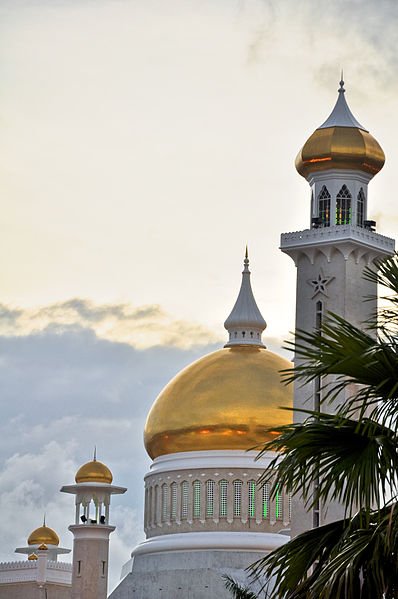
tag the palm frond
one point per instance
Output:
(342, 560)
(342, 356)
(238, 591)
(352, 462)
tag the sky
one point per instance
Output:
(142, 145)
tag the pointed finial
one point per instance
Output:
(342, 90)
(95, 453)
(246, 260)
(44, 519)
(245, 323)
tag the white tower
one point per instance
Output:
(338, 161)
(205, 513)
(93, 490)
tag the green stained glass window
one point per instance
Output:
(196, 499)
(265, 501)
(252, 498)
(343, 206)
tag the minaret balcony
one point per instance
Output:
(336, 234)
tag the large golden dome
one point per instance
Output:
(341, 142)
(225, 400)
(94, 472)
(45, 535)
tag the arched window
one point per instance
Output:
(237, 497)
(223, 498)
(278, 503)
(318, 315)
(184, 499)
(173, 502)
(156, 507)
(165, 497)
(343, 207)
(196, 499)
(150, 507)
(210, 498)
(252, 498)
(324, 207)
(265, 501)
(360, 208)
(146, 507)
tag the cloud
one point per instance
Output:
(63, 390)
(359, 36)
(142, 326)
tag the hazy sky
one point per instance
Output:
(143, 144)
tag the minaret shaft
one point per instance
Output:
(90, 561)
(328, 280)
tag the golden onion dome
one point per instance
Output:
(43, 535)
(340, 143)
(32, 557)
(224, 400)
(94, 472)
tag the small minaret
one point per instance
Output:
(93, 490)
(338, 161)
(44, 539)
(245, 324)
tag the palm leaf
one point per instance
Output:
(352, 462)
(341, 560)
(238, 591)
(342, 356)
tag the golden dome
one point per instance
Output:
(94, 472)
(341, 142)
(32, 557)
(340, 148)
(223, 401)
(45, 535)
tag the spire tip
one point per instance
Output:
(246, 260)
(341, 89)
(95, 453)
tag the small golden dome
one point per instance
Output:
(45, 535)
(340, 148)
(94, 472)
(225, 400)
(32, 557)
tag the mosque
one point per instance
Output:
(206, 515)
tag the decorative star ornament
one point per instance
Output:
(320, 283)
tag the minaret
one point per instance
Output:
(44, 539)
(338, 161)
(93, 490)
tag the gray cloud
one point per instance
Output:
(62, 392)
(141, 326)
(359, 35)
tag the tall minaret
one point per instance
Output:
(93, 490)
(338, 161)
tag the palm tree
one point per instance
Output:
(351, 455)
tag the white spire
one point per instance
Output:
(341, 115)
(245, 324)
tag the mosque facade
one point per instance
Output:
(207, 512)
